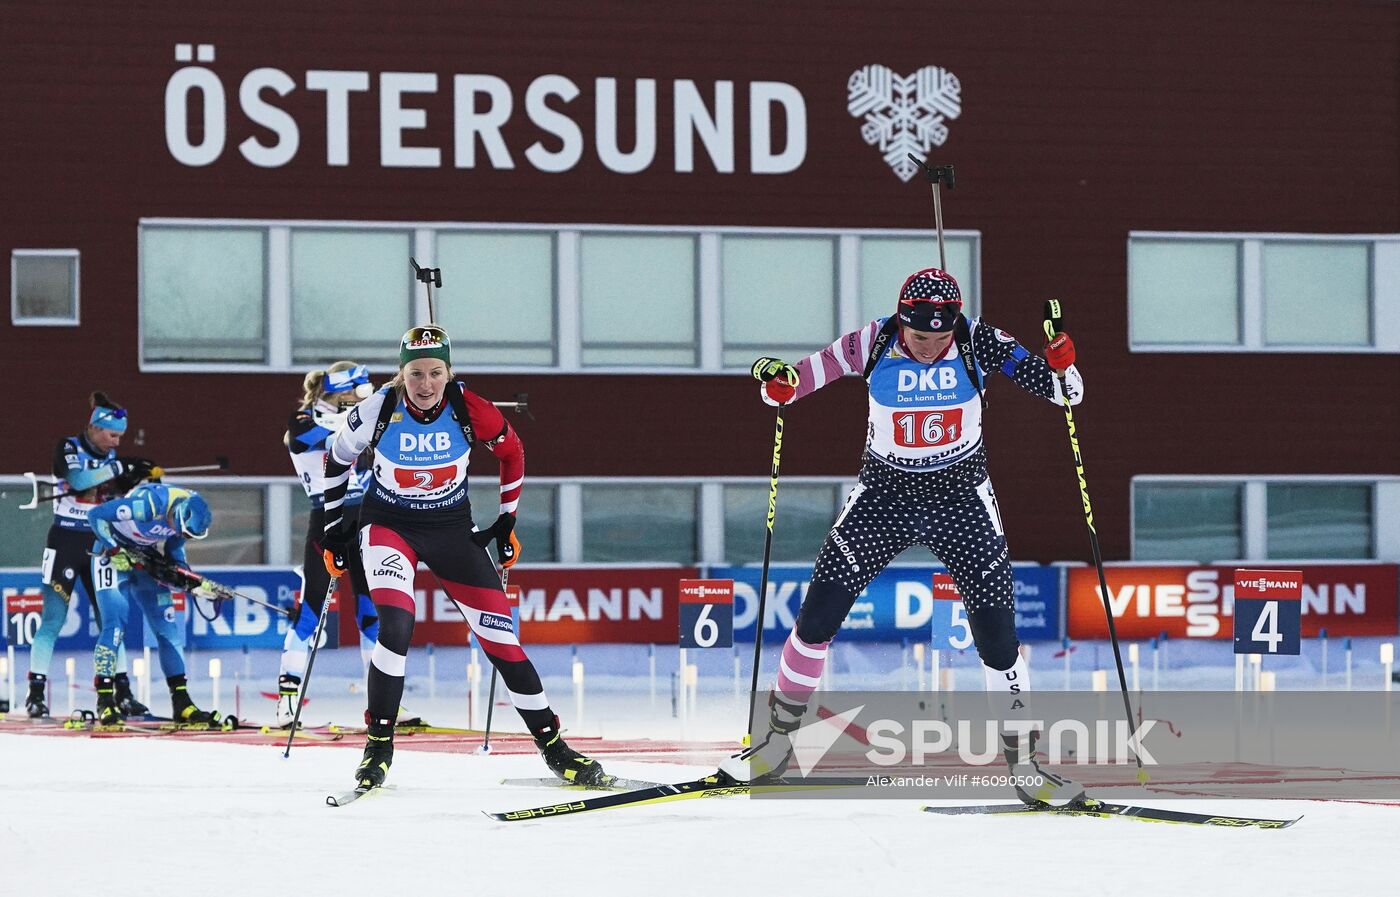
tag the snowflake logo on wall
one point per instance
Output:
(904, 113)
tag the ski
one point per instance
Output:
(610, 783)
(401, 729)
(717, 785)
(346, 798)
(1102, 810)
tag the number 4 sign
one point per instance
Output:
(1268, 611)
(707, 613)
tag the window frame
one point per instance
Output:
(567, 303)
(1383, 284)
(76, 294)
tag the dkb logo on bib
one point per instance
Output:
(424, 442)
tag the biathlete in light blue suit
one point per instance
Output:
(139, 556)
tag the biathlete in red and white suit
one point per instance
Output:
(422, 428)
(923, 482)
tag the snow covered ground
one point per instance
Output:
(148, 815)
(155, 815)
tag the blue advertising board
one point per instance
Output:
(898, 604)
(240, 622)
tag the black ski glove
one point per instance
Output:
(503, 533)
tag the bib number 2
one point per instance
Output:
(926, 429)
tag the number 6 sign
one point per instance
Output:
(1268, 611)
(707, 613)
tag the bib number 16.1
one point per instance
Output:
(925, 429)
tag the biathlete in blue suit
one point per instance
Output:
(89, 472)
(139, 556)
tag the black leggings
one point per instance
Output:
(954, 513)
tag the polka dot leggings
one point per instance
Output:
(951, 511)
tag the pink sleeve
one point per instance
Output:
(845, 356)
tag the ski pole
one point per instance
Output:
(763, 577)
(936, 174)
(1054, 318)
(310, 662)
(491, 693)
(429, 277)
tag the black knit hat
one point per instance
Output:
(930, 301)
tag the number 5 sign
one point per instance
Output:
(1268, 611)
(707, 613)
(950, 626)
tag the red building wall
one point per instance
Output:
(1080, 122)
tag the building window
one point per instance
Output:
(886, 262)
(279, 296)
(497, 297)
(1309, 521)
(639, 523)
(301, 520)
(1187, 522)
(638, 299)
(26, 530)
(778, 296)
(237, 535)
(351, 293)
(807, 513)
(1184, 291)
(203, 294)
(1263, 293)
(44, 287)
(1317, 294)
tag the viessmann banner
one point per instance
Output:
(579, 605)
(1198, 602)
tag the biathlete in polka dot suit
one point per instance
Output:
(924, 479)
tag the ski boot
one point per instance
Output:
(565, 762)
(1034, 785)
(288, 687)
(126, 701)
(35, 704)
(378, 757)
(183, 710)
(108, 713)
(766, 761)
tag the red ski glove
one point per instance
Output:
(1059, 352)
